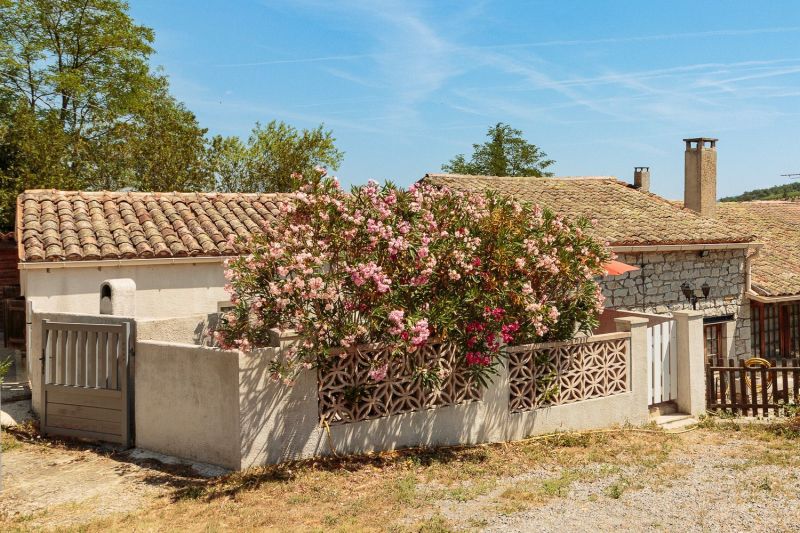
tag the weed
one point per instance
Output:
(5, 366)
(560, 485)
(434, 524)
(8, 442)
(405, 489)
(616, 489)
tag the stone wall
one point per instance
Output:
(656, 288)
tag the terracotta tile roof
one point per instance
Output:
(625, 216)
(74, 226)
(776, 268)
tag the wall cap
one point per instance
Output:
(626, 323)
(688, 313)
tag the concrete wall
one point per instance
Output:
(656, 287)
(188, 404)
(166, 290)
(192, 329)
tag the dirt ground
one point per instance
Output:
(720, 477)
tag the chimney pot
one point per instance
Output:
(700, 175)
(641, 178)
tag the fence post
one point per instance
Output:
(637, 360)
(691, 363)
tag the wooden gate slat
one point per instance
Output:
(673, 359)
(743, 383)
(80, 354)
(657, 371)
(113, 344)
(102, 374)
(650, 371)
(91, 359)
(666, 385)
(61, 358)
(50, 358)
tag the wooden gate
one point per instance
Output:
(662, 360)
(85, 380)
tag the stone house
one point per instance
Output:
(687, 258)
(774, 295)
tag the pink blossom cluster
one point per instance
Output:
(380, 265)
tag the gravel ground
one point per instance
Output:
(703, 480)
(711, 484)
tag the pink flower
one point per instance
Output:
(379, 373)
(477, 358)
(420, 332)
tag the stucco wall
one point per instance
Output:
(171, 290)
(656, 288)
(184, 408)
(192, 329)
(187, 402)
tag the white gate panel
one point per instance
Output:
(662, 362)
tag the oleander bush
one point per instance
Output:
(382, 265)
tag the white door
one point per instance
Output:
(662, 362)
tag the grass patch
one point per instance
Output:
(616, 489)
(8, 442)
(393, 490)
(406, 489)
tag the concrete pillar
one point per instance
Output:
(496, 426)
(637, 359)
(691, 363)
(729, 333)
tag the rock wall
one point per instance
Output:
(656, 288)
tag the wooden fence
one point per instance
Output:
(730, 386)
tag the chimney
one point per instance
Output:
(641, 178)
(700, 175)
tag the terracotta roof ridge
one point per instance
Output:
(565, 178)
(135, 194)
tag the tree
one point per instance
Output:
(80, 106)
(506, 153)
(272, 154)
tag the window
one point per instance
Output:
(775, 329)
(755, 339)
(712, 334)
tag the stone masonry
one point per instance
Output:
(656, 288)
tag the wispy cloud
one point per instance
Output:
(408, 21)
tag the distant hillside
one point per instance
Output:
(778, 192)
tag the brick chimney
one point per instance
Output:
(641, 178)
(700, 175)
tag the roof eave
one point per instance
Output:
(685, 247)
(98, 263)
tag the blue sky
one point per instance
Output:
(600, 86)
